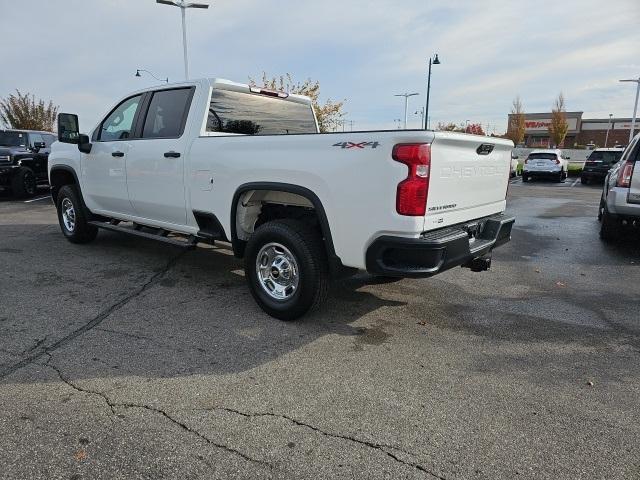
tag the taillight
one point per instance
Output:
(526, 160)
(557, 161)
(411, 196)
(624, 176)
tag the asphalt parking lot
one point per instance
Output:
(130, 359)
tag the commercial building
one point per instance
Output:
(582, 132)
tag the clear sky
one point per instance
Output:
(83, 54)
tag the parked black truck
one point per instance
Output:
(24, 156)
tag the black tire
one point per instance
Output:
(584, 180)
(560, 177)
(525, 178)
(305, 245)
(81, 232)
(23, 183)
(565, 175)
(610, 228)
(601, 209)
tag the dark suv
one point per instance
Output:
(23, 160)
(599, 163)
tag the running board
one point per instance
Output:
(150, 233)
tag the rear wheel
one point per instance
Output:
(601, 209)
(560, 176)
(286, 268)
(610, 228)
(525, 178)
(73, 217)
(584, 180)
(23, 184)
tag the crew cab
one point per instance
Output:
(620, 200)
(216, 161)
(23, 160)
(546, 163)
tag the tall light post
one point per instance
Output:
(606, 138)
(183, 5)
(406, 104)
(166, 80)
(635, 107)
(432, 61)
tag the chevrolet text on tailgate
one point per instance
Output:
(216, 161)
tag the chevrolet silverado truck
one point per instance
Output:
(215, 161)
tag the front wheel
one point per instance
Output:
(23, 184)
(286, 268)
(72, 216)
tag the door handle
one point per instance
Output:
(117, 154)
(172, 154)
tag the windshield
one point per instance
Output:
(605, 157)
(13, 139)
(543, 156)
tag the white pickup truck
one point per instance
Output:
(212, 160)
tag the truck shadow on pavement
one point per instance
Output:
(125, 306)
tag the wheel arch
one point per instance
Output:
(335, 264)
(61, 175)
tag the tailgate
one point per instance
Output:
(468, 179)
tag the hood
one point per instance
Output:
(11, 150)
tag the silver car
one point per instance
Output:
(620, 202)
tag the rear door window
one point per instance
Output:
(256, 114)
(167, 113)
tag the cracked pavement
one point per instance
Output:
(130, 359)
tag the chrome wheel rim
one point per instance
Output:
(68, 215)
(277, 271)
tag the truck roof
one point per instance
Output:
(224, 84)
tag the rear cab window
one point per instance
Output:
(167, 113)
(232, 112)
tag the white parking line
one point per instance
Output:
(37, 199)
(574, 183)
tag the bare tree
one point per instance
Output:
(329, 113)
(516, 127)
(23, 111)
(559, 126)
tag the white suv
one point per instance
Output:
(547, 163)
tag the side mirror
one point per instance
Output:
(38, 145)
(84, 144)
(68, 131)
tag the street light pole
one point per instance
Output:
(635, 107)
(183, 5)
(406, 104)
(606, 138)
(434, 61)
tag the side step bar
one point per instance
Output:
(150, 233)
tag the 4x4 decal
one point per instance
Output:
(356, 145)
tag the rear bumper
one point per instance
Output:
(594, 174)
(541, 173)
(438, 250)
